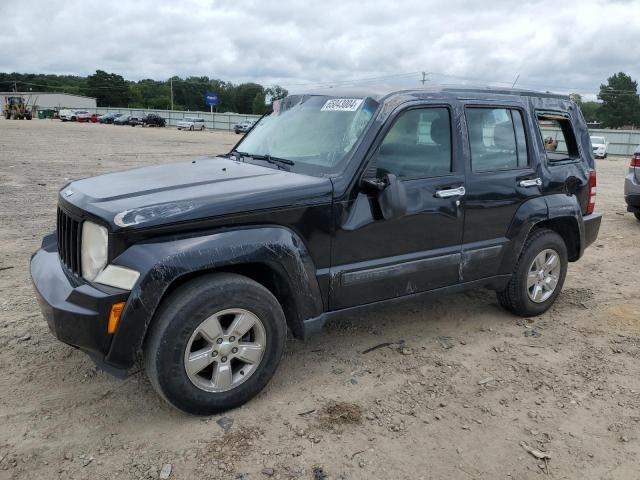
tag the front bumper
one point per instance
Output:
(77, 312)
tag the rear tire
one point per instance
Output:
(637, 214)
(182, 328)
(191, 128)
(529, 281)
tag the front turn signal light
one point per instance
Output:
(114, 316)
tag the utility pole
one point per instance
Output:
(424, 77)
(171, 82)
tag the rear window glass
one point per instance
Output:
(557, 136)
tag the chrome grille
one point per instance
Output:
(69, 232)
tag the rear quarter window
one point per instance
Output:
(558, 136)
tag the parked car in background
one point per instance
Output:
(244, 126)
(67, 115)
(94, 118)
(136, 120)
(108, 117)
(191, 123)
(202, 267)
(82, 116)
(599, 145)
(632, 184)
(154, 120)
(122, 120)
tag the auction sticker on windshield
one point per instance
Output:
(341, 105)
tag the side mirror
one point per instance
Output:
(392, 195)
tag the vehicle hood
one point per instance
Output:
(187, 191)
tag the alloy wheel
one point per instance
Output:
(225, 350)
(543, 275)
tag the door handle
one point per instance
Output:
(451, 192)
(530, 182)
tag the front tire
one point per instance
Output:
(538, 276)
(215, 343)
(637, 214)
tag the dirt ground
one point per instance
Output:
(459, 390)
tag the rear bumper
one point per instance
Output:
(591, 228)
(632, 191)
(77, 312)
(633, 202)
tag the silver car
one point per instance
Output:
(632, 184)
(191, 123)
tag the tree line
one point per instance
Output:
(112, 90)
(618, 105)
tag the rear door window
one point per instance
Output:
(497, 139)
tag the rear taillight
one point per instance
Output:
(591, 206)
(635, 160)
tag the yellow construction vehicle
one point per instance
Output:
(15, 108)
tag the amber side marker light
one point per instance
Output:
(114, 316)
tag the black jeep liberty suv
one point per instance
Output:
(332, 202)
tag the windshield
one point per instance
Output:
(597, 140)
(316, 132)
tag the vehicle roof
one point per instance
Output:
(383, 92)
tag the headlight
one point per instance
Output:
(94, 250)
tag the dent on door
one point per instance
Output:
(409, 264)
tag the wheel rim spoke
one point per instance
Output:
(222, 375)
(199, 360)
(241, 325)
(552, 262)
(211, 329)
(532, 278)
(250, 353)
(537, 292)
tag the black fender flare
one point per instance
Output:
(163, 262)
(533, 212)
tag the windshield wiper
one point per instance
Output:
(254, 156)
(271, 159)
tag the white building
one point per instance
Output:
(47, 100)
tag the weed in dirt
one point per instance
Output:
(339, 413)
(232, 445)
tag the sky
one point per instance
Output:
(561, 46)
